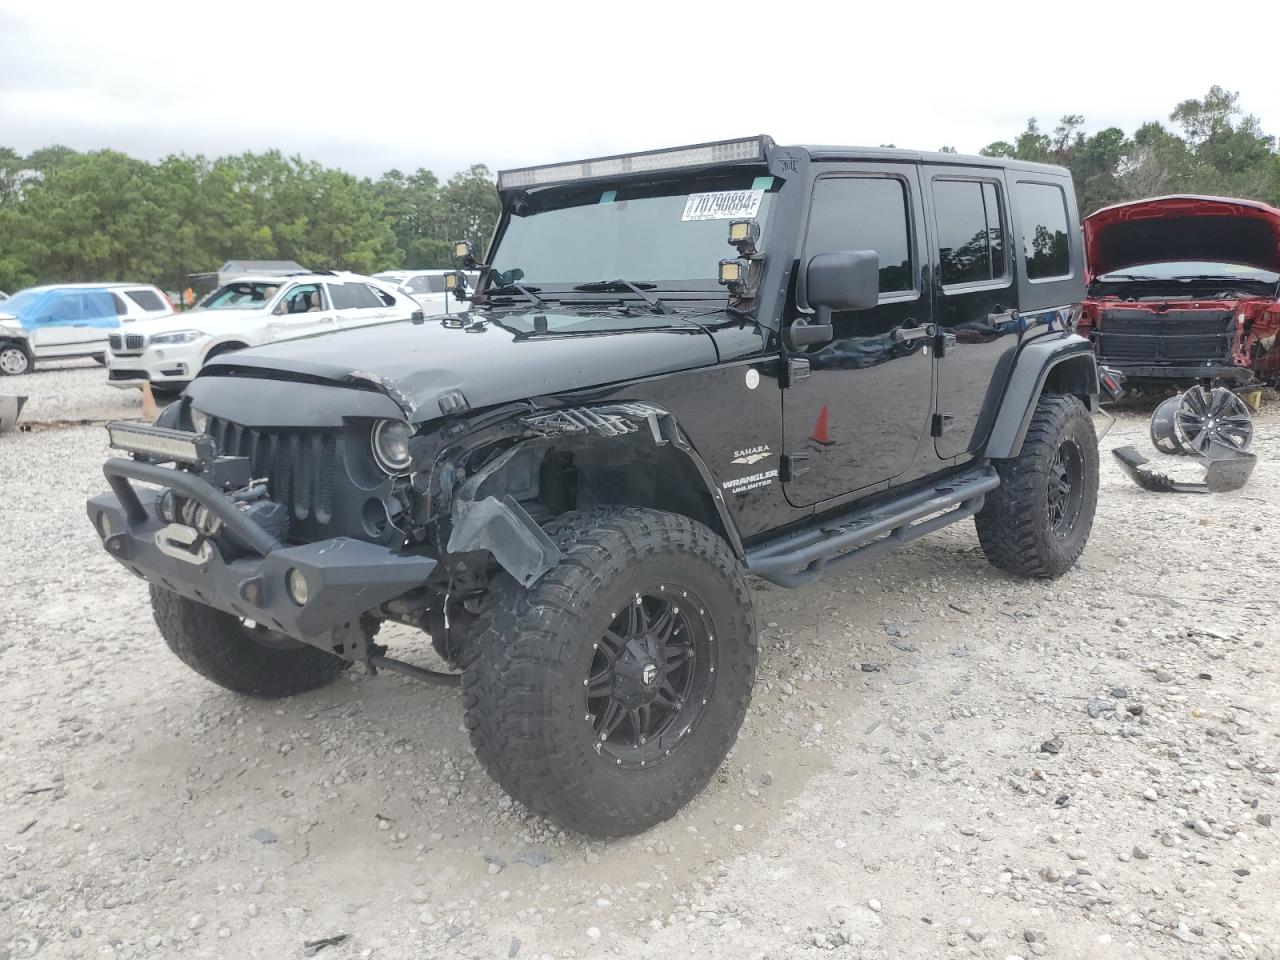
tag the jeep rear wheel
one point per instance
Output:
(15, 360)
(1037, 522)
(608, 694)
(240, 655)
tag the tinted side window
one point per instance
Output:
(146, 299)
(118, 303)
(367, 297)
(384, 299)
(1042, 217)
(970, 240)
(344, 296)
(864, 213)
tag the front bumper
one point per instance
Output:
(1180, 373)
(345, 577)
(161, 365)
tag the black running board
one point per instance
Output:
(802, 556)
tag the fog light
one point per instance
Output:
(103, 523)
(297, 586)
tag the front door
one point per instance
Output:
(302, 311)
(976, 303)
(862, 411)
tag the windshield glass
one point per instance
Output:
(672, 233)
(21, 301)
(1194, 268)
(249, 295)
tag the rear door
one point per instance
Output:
(858, 408)
(975, 302)
(357, 305)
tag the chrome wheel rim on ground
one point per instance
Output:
(1205, 417)
(650, 677)
(1064, 497)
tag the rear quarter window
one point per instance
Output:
(1043, 223)
(147, 299)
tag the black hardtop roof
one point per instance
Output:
(830, 152)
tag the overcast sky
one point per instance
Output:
(373, 85)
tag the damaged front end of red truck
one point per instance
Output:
(1185, 289)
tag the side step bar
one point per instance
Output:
(802, 556)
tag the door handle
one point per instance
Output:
(908, 334)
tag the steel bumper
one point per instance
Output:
(345, 577)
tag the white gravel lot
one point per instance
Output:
(888, 797)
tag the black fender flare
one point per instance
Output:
(1069, 360)
(485, 518)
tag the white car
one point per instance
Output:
(64, 320)
(249, 312)
(427, 287)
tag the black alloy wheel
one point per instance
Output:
(1064, 493)
(651, 675)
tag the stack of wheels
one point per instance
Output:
(1196, 421)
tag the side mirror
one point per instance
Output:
(848, 280)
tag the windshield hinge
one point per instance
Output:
(792, 465)
(797, 369)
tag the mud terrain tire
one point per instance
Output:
(221, 648)
(1037, 522)
(549, 669)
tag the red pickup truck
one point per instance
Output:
(1185, 289)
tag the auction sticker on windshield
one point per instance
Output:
(723, 205)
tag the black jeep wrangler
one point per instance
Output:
(677, 368)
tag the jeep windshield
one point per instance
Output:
(666, 236)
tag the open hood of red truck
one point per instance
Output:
(1191, 228)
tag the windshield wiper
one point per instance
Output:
(529, 293)
(1128, 276)
(607, 286)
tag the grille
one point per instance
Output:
(299, 466)
(134, 341)
(114, 341)
(1172, 337)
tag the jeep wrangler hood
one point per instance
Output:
(419, 364)
(1191, 228)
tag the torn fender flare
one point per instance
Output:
(1031, 370)
(504, 528)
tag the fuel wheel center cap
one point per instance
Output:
(650, 676)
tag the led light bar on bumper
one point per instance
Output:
(698, 155)
(161, 443)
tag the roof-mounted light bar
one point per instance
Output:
(698, 155)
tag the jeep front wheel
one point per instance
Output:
(607, 695)
(240, 655)
(1037, 522)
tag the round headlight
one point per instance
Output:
(296, 583)
(199, 420)
(391, 445)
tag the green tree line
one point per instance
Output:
(1209, 147)
(69, 216)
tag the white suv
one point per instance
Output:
(66, 320)
(249, 312)
(427, 287)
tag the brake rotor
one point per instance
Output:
(1208, 418)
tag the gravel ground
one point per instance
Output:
(71, 391)
(939, 761)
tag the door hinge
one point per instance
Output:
(942, 423)
(792, 465)
(944, 343)
(797, 369)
